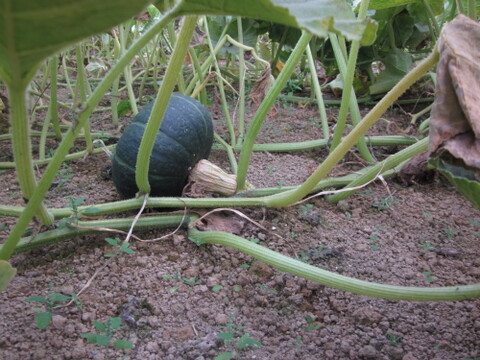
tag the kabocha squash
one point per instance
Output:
(185, 137)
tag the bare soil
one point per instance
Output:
(423, 235)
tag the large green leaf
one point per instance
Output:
(463, 179)
(317, 16)
(32, 30)
(384, 4)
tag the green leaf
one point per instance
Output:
(317, 16)
(79, 200)
(99, 326)
(124, 107)
(113, 242)
(217, 288)
(225, 336)
(224, 356)
(386, 80)
(461, 178)
(122, 344)
(57, 297)
(32, 30)
(125, 248)
(41, 299)
(384, 4)
(103, 340)
(246, 341)
(115, 323)
(91, 338)
(7, 272)
(43, 319)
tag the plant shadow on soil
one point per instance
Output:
(422, 235)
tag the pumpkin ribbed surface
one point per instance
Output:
(185, 137)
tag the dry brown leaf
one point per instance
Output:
(455, 117)
(221, 222)
(261, 86)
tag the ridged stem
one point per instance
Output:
(265, 107)
(161, 103)
(331, 279)
(290, 197)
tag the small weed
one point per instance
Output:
(298, 343)
(394, 340)
(311, 255)
(384, 204)
(306, 208)
(73, 219)
(3, 227)
(314, 122)
(246, 341)
(230, 333)
(428, 276)
(106, 330)
(374, 242)
(348, 216)
(427, 245)
(450, 233)
(311, 325)
(244, 266)
(367, 192)
(294, 235)
(267, 289)
(474, 221)
(217, 288)
(44, 315)
(121, 247)
(255, 240)
(281, 182)
(64, 174)
(237, 288)
(270, 169)
(191, 281)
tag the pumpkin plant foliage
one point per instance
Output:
(32, 30)
(316, 16)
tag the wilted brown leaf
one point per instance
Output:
(455, 117)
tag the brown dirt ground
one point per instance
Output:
(428, 235)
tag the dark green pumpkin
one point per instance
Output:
(185, 137)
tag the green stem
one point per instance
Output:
(201, 78)
(117, 49)
(82, 88)
(22, 151)
(221, 89)
(66, 76)
(348, 94)
(290, 197)
(53, 105)
(241, 90)
(318, 94)
(265, 107)
(381, 167)
(353, 103)
(161, 103)
(331, 279)
(231, 155)
(96, 226)
(127, 73)
(432, 20)
(68, 139)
